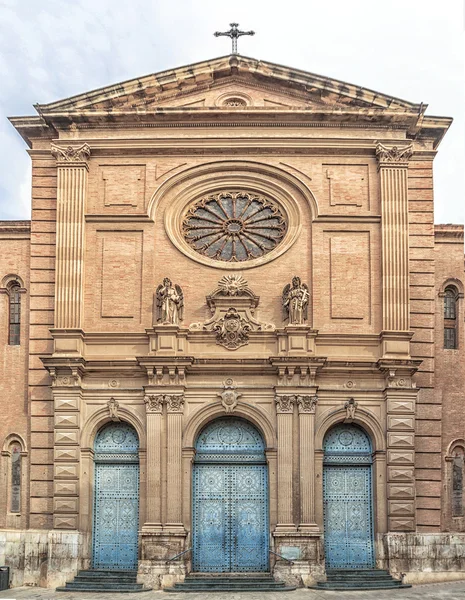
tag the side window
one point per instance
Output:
(15, 478)
(457, 482)
(450, 318)
(14, 323)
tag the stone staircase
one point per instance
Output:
(103, 580)
(358, 580)
(230, 582)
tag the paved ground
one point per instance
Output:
(437, 591)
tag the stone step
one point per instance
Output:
(227, 589)
(230, 582)
(102, 590)
(76, 585)
(365, 588)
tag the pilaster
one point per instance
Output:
(154, 413)
(72, 168)
(307, 408)
(175, 409)
(400, 396)
(284, 417)
(393, 168)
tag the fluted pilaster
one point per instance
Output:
(71, 199)
(284, 417)
(393, 167)
(175, 409)
(154, 409)
(307, 407)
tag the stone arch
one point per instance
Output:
(452, 282)
(209, 174)
(10, 279)
(212, 411)
(101, 418)
(366, 420)
(14, 437)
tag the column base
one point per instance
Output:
(308, 528)
(152, 528)
(174, 528)
(285, 528)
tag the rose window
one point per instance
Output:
(234, 226)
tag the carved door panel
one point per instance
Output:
(116, 498)
(348, 517)
(230, 499)
(230, 518)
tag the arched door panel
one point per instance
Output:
(116, 498)
(347, 498)
(230, 499)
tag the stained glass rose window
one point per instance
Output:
(234, 226)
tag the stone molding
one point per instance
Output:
(69, 155)
(285, 404)
(307, 404)
(390, 156)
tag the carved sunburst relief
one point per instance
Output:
(234, 226)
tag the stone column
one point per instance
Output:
(154, 409)
(285, 410)
(175, 408)
(307, 407)
(71, 200)
(393, 167)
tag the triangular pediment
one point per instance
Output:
(230, 82)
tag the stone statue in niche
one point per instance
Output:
(295, 302)
(169, 303)
(351, 407)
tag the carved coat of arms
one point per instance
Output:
(229, 396)
(232, 330)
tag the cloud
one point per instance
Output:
(55, 49)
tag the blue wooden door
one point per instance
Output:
(230, 499)
(116, 499)
(347, 499)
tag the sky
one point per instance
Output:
(54, 49)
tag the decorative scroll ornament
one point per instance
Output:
(169, 301)
(295, 302)
(234, 226)
(229, 396)
(307, 404)
(175, 403)
(351, 407)
(285, 404)
(154, 403)
(394, 155)
(232, 305)
(113, 406)
(232, 330)
(71, 154)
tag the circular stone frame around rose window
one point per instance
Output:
(234, 226)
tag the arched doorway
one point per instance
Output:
(347, 498)
(230, 499)
(116, 497)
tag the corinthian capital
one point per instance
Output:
(285, 404)
(307, 404)
(71, 154)
(154, 403)
(393, 155)
(175, 403)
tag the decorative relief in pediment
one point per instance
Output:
(232, 305)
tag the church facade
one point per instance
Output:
(232, 337)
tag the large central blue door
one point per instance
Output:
(347, 498)
(230, 499)
(116, 501)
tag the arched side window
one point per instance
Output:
(450, 318)
(457, 460)
(14, 323)
(15, 478)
